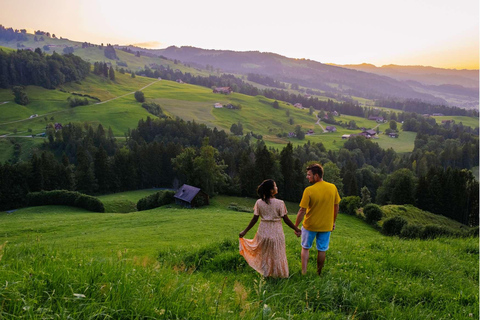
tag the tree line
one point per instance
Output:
(8, 34)
(167, 153)
(25, 67)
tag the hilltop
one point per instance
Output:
(344, 82)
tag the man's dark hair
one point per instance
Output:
(316, 169)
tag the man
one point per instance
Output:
(319, 206)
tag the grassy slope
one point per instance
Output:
(109, 262)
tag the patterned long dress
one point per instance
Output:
(266, 251)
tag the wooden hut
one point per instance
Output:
(191, 197)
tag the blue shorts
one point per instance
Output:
(323, 239)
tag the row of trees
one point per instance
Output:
(102, 69)
(8, 34)
(166, 153)
(24, 67)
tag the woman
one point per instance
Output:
(266, 251)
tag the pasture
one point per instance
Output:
(172, 263)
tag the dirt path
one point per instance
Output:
(318, 122)
(127, 94)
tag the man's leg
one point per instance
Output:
(320, 261)
(305, 253)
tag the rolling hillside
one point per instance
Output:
(119, 110)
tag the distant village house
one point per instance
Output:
(218, 105)
(223, 90)
(331, 128)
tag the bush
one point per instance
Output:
(411, 231)
(139, 96)
(66, 198)
(432, 231)
(350, 204)
(373, 213)
(156, 200)
(393, 226)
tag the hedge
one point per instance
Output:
(155, 200)
(66, 198)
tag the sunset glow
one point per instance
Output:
(436, 33)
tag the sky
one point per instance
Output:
(438, 33)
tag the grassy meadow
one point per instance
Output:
(175, 263)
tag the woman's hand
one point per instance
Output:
(242, 234)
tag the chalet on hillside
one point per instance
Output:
(298, 105)
(224, 90)
(191, 197)
(370, 132)
(218, 105)
(331, 129)
(377, 119)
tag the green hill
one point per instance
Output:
(186, 101)
(172, 262)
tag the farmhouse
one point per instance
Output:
(224, 90)
(218, 105)
(369, 133)
(346, 136)
(191, 197)
(331, 128)
(377, 119)
(298, 105)
(393, 135)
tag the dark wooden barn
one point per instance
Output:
(191, 197)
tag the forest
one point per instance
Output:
(25, 67)
(166, 153)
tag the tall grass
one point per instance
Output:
(173, 263)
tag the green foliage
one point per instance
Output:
(372, 213)
(435, 231)
(76, 101)
(64, 197)
(156, 200)
(20, 95)
(154, 109)
(350, 204)
(393, 226)
(411, 231)
(139, 96)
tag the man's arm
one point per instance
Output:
(335, 213)
(300, 214)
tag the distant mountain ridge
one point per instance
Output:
(365, 80)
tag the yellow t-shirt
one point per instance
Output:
(319, 200)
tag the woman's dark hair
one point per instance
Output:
(264, 190)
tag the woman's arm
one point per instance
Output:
(250, 225)
(289, 223)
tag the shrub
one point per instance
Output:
(432, 231)
(90, 203)
(411, 231)
(350, 204)
(373, 213)
(139, 96)
(393, 226)
(155, 200)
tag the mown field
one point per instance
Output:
(174, 263)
